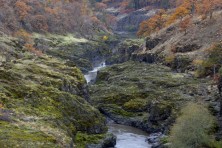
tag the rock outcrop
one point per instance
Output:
(123, 51)
(173, 47)
(75, 50)
(43, 100)
(146, 96)
(130, 22)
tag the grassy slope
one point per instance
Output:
(174, 45)
(42, 100)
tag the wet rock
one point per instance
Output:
(154, 139)
(108, 142)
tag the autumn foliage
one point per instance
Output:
(28, 41)
(55, 16)
(153, 24)
(184, 11)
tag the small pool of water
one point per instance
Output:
(129, 137)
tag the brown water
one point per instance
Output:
(129, 137)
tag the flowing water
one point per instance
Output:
(91, 75)
(127, 137)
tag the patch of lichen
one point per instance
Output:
(82, 139)
(132, 89)
(45, 97)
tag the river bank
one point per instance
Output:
(126, 136)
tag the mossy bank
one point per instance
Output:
(43, 100)
(146, 96)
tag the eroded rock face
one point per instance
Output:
(146, 96)
(130, 22)
(187, 48)
(78, 51)
(147, 58)
(124, 51)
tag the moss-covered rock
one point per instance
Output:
(42, 100)
(78, 51)
(124, 51)
(147, 96)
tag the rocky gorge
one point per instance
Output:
(46, 102)
(75, 74)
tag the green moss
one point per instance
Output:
(215, 144)
(82, 139)
(19, 136)
(75, 50)
(136, 91)
(44, 98)
(136, 105)
(212, 63)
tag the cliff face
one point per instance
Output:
(42, 100)
(130, 22)
(178, 49)
(76, 50)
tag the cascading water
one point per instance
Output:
(91, 75)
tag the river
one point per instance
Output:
(127, 137)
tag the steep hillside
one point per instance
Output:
(78, 51)
(43, 100)
(153, 82)
(180, 50)
(126, 15)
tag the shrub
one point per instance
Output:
(213, 62)
(170, 59)
(191, 129)
(136, 105)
